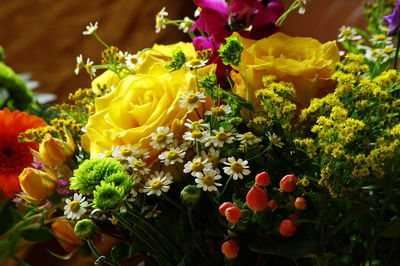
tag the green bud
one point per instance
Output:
(91, 172)
(190, 195)
(108, 196)
(1, 54)
(177, 61)
(85, 229)
(231, 51)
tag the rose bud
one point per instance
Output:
(224, 206)
(257, 199)
(65, 234)
(233, 214)
(272, 204)
(37, 184)
(287, 228)
(300, 203)
(288, 183)
(230, 249)
(262, 179)
(55, 152)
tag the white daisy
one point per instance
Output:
(212, 156)
(236, 168)
(248, 138)
(196, 63)
(207, 180)
(89, 68)
(196, 135)
(197, 12)
(199, 125)
(138, 165)
(186, 24)
(348, 34)
(220, 138)
(275, 140)
(75, 208)
(160, 20)
(90, 28)
(142, 153)
(219, 111)
(79, 64)
(162, 138)
(133, 61)
(192, 100)
(197, 166)
(158, 183)
(172, 156)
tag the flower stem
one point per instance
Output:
(226, 185)
(396, 55)
(100, 40)
(281, 19)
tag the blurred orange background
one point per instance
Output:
(44, 37)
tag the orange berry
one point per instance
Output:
(224, 206)
(230, 249)
(257, 199)
(288, 183)
(287, 228)
(300, 203)
(233, 214)
(262, 179)
(272, 204)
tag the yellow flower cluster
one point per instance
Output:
(356, 127)
(277, 99)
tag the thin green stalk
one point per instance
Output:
(98, 253)
(226, 185)
(193, 227)
(20, 225)
(100, 40)
(295, 5)
(396, 55)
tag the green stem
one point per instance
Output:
(294, 6)
(226, 185)
(193, 227)
(396, 55)
(97, 252)
(100, 40)
(21, 224)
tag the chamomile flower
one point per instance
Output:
(197, 12)
(275, 140)
(172, 156)
(196, 63)
(89, 68)
(248, 138)
(109, 153)
(380, 39)
(133, 61)
(158, 183)
(192, 100)
(139, 152)
(207, 180)
(75, 208)
(236, 168)
(212, 156)
(160, 20)
(186, 24)
(196, 135)
(199, 125)
(348, 34)
(79, 64)
(139, 166)
(90, 28)
(219, 111)
(220, 138)
(162, 138)
(197, 166)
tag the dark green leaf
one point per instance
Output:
(7, 218)
(5, 249)
(392, 230)
(119, 252)
(37, 235)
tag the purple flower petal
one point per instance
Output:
(393, 20)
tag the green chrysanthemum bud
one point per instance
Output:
(1, 54)
(108, 196)
(121, 180)
(85, 229)
(231, 51)
(177, 61)
(190, 195)
(91, 172)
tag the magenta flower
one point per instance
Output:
(394, 20)
(245, 9)
(213, 18)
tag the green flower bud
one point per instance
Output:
(177, 61)
(85, 229)
(231, 51)
(1, 54)
(190, 195)
(108, 196)
(121, 180)
(91, 172)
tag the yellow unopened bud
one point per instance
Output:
(37, 184)
(65, 234)
(55, 152)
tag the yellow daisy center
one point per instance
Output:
(156, 185)
(196, 124)
(197, 166)
(74, 206)
(138, 164)
(248, 136)
(209, 180)
(192, 98)
(218, 111)
(196, 134)
(161, 138)
(126, 152)
(221, 136)
(172, 155)
(237, 167)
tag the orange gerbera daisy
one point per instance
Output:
(15, 156)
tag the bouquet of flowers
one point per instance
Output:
(246, 146)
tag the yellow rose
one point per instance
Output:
(141, 103)
(305, 62)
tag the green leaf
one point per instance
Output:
(7, 218)
(119, 252)
(290, 248)
(392, 229)
(5, 249)
(37, 235)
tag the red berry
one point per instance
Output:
(288, 183)
(300, 203)
(272, 204)
(224, 206)
(257, 199)
(230, 249)
(233, 214)
(287, 228)
(294, 218)
(262, 179)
